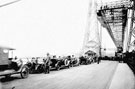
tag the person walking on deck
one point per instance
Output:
(47, 63)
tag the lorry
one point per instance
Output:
(9, 67)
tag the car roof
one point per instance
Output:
(8, 48)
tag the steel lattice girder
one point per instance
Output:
(115, 15)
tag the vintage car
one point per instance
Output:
(9, 67)
(88, 58)
(85, 60)
(92, 56)
(54, 63)
(36, 65)
(64, 62)
(57, 63)
(74, 61)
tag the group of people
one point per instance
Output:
(46, 63)
(129, 58)
(43, 64)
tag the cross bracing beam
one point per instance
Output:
(105, 23)
(117, 5)
(115, 15)
(131, 25)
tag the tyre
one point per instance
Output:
(66, 62)
(24, 72)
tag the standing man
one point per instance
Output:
(47, 63)
(99, 59)
(72, 60)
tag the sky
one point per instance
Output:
(35, 27)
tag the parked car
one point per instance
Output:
(36, 65)
(54, 63)
(84, 60)
(74, 61)
(64, 62)
(10, 66)
(57, 63)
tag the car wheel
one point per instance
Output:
(24, 72)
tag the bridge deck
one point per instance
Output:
(123, 78)
(106, 75)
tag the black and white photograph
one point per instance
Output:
(67, 44)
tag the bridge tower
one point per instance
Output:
(91, 38)
(118, 18)
(130, 44)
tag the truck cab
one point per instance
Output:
(9, 67)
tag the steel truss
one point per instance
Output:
(114, 16)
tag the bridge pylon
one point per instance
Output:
(91, 37)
